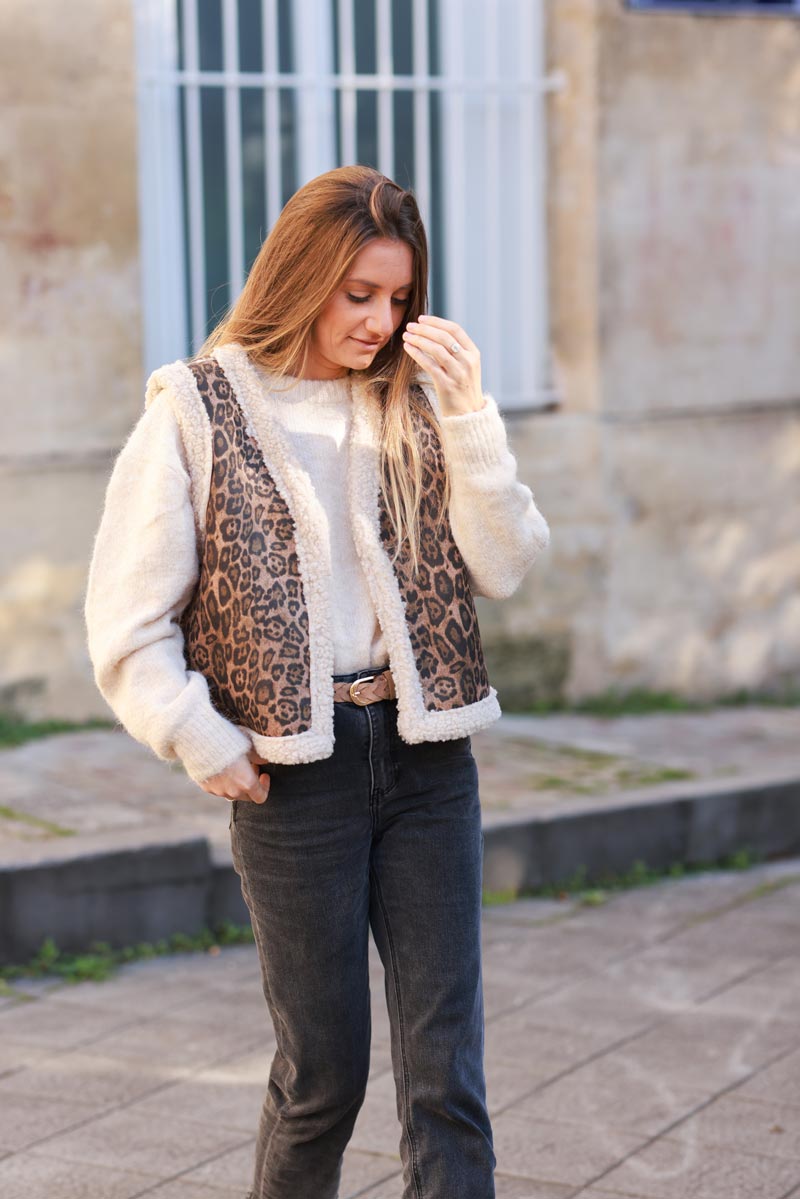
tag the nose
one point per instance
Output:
(380, 322)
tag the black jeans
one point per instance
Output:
(385, 835)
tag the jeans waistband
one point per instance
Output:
(356, 674)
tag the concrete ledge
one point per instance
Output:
(124, 887)
(118, 888)
(691, 825)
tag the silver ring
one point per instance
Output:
(455, 348)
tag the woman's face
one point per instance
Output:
(365, 312)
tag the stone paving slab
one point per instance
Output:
(674, 1169)
(634, 1050)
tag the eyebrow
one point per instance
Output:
(367, 283)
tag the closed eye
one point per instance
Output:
(363, 300)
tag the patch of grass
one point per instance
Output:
(591, 757)
(495, 898)
(57, 830)
(622, 776)
(788, 698)
(636, 702)
(654, 774)
(100, 960)
(14, 730)
(593, 893)
(639, 701)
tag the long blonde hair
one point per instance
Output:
(301, 264)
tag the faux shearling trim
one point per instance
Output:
(179, 382)
(414, 722)
(294, 485)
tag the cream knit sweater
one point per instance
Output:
(316, 416)
(145, 558)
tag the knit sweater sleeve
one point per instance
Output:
(142, 573)
(496, 523)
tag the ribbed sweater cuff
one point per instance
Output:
(475, 441)
(208, 743)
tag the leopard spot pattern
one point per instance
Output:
(439, 606)
(246, 626)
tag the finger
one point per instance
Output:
(425, 361)
(210, 791)
(439, 336)
(428, 334)
(450, 329)
(259, 790)
(434, 350)
(254, 756)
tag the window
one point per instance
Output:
(242, 101)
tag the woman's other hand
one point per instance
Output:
(241, 780)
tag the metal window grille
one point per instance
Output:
(241, 101)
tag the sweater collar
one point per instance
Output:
(291, 389)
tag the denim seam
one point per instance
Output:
(368, 715)
(401, 1035)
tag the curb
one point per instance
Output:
(690, 825)
(124, 888)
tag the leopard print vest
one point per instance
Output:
(246, 626)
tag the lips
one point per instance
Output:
(369, 345)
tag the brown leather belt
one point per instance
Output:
(366, 690)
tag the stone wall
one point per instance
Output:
(699, 284)
(70, 337)
(670, 473)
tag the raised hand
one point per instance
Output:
(451, 358)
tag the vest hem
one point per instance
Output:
(312, 745)
(293, 750)
(446, 725)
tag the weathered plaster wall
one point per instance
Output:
(698, 158)
(671, 472)
(70, 338)
(699, 284)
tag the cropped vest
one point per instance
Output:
(257, 626)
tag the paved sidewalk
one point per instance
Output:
(102, 781)
(648, 1047)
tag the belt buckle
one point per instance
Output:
(354, 695)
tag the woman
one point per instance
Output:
(281, 597)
